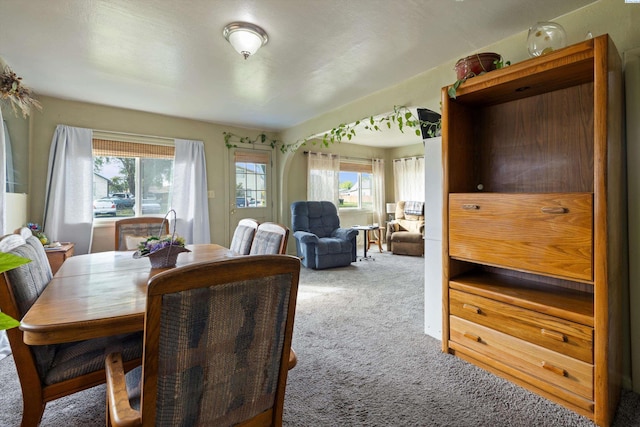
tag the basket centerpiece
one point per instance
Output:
(162, 251)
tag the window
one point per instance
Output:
(251, 179)
(131, 178)
(355, 186)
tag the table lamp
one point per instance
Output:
(391, 210)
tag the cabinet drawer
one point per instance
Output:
(548, 234)
(566, 337)
(549, 366)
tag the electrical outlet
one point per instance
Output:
(211, 194)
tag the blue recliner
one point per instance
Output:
(320, 242)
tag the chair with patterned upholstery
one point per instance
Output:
(243, 236)
(48, 372)
(405, 234)
(270, 239)
(131, 231)
(217, 343)
(320, 241)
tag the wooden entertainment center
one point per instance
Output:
(534, 225)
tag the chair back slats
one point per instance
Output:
(243, 236)
(218, 337)
(129, 232)
(270, 238)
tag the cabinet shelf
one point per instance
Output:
(555, 301)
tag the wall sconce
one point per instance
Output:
(245, 38)
(391, 210)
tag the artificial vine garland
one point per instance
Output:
(401, 117)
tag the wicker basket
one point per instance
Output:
(168, 256)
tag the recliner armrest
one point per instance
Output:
(345, 233)
(305, 237)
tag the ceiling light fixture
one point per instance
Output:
(245, 38)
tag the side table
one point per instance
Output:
(57, 256)
(367, 229)
(376, 236)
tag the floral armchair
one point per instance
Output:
(405, 235)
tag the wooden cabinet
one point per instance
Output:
(534, 225)
(58, 255)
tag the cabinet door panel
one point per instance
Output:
(548, 234)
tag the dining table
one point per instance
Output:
(100, 294)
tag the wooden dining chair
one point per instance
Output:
(217, 342)
(131, 231)
(49, 372)
(243, 236)
(270, 238)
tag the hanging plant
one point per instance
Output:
(18, 96)
(401, 117)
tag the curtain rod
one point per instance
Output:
(136, 136)
(405, 158)
(342, 157)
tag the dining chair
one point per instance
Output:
(131, 231)
(48, 372)
(243, 236)
(270, 238)
(217, 342)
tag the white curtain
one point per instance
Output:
(68, 211)
(324, 175)
(3, 183)
(379, 206)
(189, 192)
(408, 175)
(5, 349)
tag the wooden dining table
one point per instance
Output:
(100, 294)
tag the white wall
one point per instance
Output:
(433, 237)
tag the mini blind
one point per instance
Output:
(355, 167)
(110, 148)
(251, 157)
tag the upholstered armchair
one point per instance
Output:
(405, 235)
(320, 242)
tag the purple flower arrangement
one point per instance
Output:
(153, 244)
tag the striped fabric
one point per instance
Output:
(414, 208)
(266, 243)
(217, 348)
(142, 230)
(56, 363)
(242, 238)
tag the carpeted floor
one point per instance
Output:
(363, 360)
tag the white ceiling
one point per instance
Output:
(169, 56)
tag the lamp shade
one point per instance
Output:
(245, 38)
(391, 208)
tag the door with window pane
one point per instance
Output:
(251, 187)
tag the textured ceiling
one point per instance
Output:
(169, 56)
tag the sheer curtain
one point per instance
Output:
(379, 207)
(408, 175)
(5, 349)
(324, 174)
(68, 211)
(189, 192)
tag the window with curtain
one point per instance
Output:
(251, 179)
(355, 185)
(408, 175)
(131, 178)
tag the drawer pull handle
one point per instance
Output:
(470, 207)
(472, 337)
(553, 334)
(554, 369)
(471, 308)
(554, 210)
